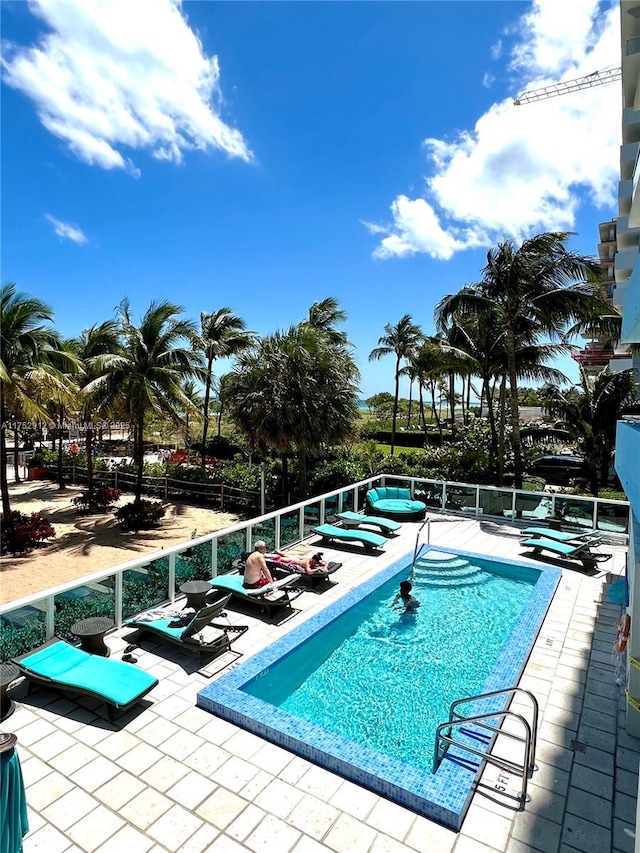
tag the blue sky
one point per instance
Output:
(264, 156)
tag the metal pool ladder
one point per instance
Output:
(416, 550)
(475, 739)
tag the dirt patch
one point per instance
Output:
(87, 543)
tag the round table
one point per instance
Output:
(196, 593)
(91, 632)
(8, 673)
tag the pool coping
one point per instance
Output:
(444, 796)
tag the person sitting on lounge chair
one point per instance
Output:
(256, 571)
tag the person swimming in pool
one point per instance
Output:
(404, 600)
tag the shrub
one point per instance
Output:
(102, 499)
(136, 516)
(24, 532)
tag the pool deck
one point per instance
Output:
(170, 776)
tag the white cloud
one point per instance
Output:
(67, 231)
(523, 169)
(113, 77)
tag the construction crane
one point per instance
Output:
(598, 78)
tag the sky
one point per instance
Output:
(267, 155)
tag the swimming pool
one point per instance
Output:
(473, 633)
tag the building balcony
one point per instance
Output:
(628, 157)
(627, 236)
(625, 193)
(624, 263)
(593, 355)
(630, 125)
(631, 309)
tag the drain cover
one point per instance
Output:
(577, 746)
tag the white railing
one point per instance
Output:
(292, 524)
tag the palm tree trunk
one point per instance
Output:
(502, 416)
(16, 441)
(452, 402)
(434, 409)
(395, 407)
(140, 459)
(4, 484)
(486, 388)
(516, 439)
(61, 484)
(410, 401)
(422, 418)
(220, 418)
(205, 424)
(89, 450)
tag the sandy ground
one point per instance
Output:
(88, 543)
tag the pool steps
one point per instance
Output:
(435, 568)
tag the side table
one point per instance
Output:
(91, 632)
(195, 593)
(8, 673)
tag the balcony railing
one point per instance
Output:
(134, 586)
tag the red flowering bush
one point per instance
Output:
(102, 499)
(135, 516)
(24, 532)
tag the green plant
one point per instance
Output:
(102, 499)
(17, 639)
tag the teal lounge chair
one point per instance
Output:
(395, 502)
(369, 540)
(61, 666)
(579, 551)
(185, 632)
(560, 536)
(352, 520)
(279, 596)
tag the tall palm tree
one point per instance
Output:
(324, 316)
(96, 348)
(401, 339)
(294, 392)
(156, 357)
(591, 414)
(222, 334)
(29, 357)
(192, 393)
(533, 285)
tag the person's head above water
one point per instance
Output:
(405, 587)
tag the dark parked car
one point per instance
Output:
(560, 470)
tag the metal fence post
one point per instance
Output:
(166, 487)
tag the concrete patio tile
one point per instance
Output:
(207, 759)
(601, 704)
(119, 790)
(256, 785)
(559, 716)
(158, 731)
(555, 755)
(354, 800)
(191, 790)
(221, 808)
(590, 780)
(193, 719)
(486, 827)
(549, 804)
(347, 833)
(46, 840)
(217, 731)
(94, 829)
(234, 774)
(139, 759)
(295, 770)
(224, 844)
(384, 844)
(69, 808)
(624, 836)
(50, 746)
(533, 829)
(597, 738)
(181, 745)
(145, 808)
(320, 782)
(126, 839)
(202, 840)
(245, 823)
(95, 773)
(390, 818)
(313, 817)
(624, 807)
(33, 768)
(309, 845)
(427, 835)
(627, 759)
(271, 757)
(116, 745)
(47, 790)
(557, 735)
(470, 845)
(272, 834)
(35, 731)
(244, 744)
(279, 798)
(174, 828)
(171, 707)
(626, 782)
(597, 809)
(72, 759)
(596, 758)
(164, 773)
(585, 835)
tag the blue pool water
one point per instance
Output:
(387, 679)
(334, 689)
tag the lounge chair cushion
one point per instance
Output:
(580, 551)
(395, 501)
(560, 535)
(368, 539)
(354, 518)
(120, 683)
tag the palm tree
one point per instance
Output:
(532, 286)
(30, 357)
(155, 358)
(324, 316)
(222, 334)
(96, 348)
(294, 392)
(401, 340)
(591, 415)
(192, 393)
